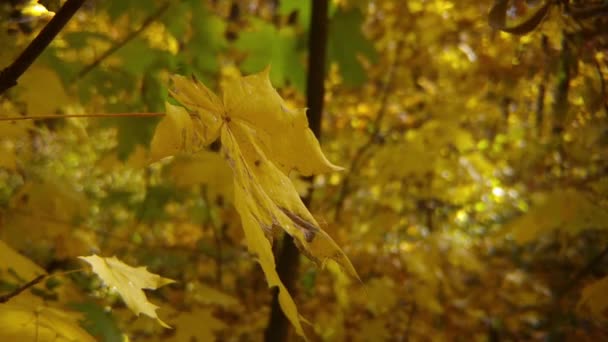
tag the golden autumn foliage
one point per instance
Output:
(470, 200)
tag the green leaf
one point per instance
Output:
(132, 132)
(346, 43)
(266, 44)
(137, 56)
(98, 322)
(303, 8)
(206, 43)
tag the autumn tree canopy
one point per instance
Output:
(354, 170)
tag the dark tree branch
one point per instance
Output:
(289, 258)
(10, 75)
(6, 297)
(149, 20)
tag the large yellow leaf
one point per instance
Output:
(40, 323)
(205, 167)
(128, 282)
(263, 141)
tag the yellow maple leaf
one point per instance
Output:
(40, 323)
(593, 297)
(263, 141)
(128, 282)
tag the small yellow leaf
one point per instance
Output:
(40, 323)
(128, 282)
(24, 267)
(594, 298)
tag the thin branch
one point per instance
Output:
(153, 17)
(10, 75)
(6, 297)
(46, 117)
(357, 160)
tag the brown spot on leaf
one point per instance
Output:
(308, 229)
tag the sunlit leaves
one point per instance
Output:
(567, 211)
(129, 282)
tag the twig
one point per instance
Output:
(6, 297)
(46, 117)
(10, 75)
(159, 12)
(376, 126)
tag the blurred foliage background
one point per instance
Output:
(474, 136)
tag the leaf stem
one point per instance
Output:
(108, 115)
